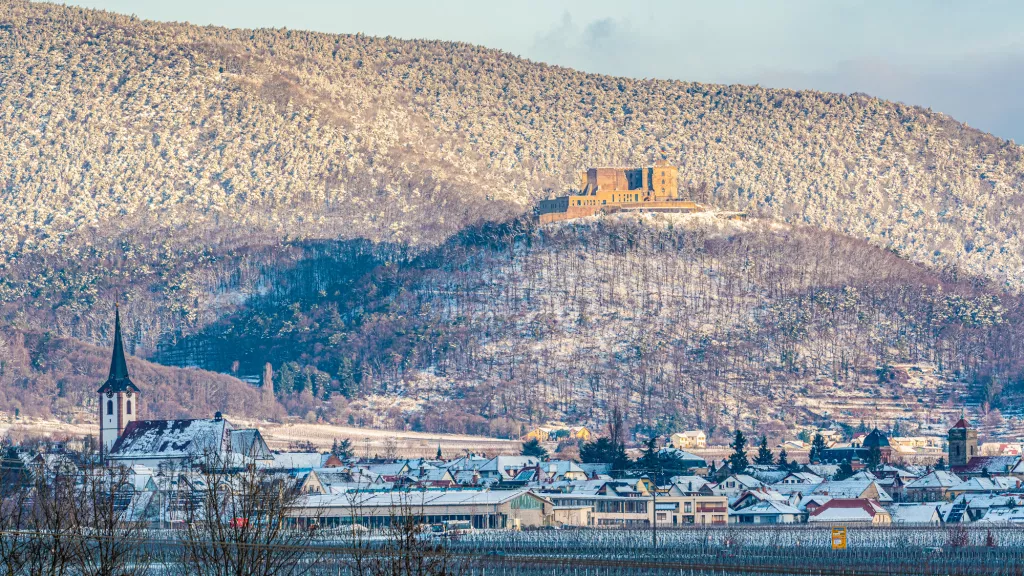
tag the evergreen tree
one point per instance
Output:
(941, 464)
(845, 470)
(783, 459)
(738, 459)
(438, 451)
(764, 454)
(343, 449)
(874, 459)
(604, 451)
(650, 461)
(817, 448)
(532, 447)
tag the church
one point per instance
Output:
(125, 440)
(966, 462)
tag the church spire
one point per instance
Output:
(117, 379)
(118, 365)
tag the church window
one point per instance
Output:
(110, 407)
(128, 407)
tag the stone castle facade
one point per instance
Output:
(646, 189)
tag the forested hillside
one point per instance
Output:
(192, 172)
(46, 376)
(684, 320)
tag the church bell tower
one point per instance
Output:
(118, 397)
(963, 443)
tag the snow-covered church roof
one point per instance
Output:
(172, 439)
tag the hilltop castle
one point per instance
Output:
(647, 189)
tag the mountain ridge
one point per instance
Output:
(184, 170)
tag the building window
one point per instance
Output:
(110, 407)
(128, 407)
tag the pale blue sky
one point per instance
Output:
(964, 58)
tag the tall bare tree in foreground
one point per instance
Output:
(35, 516)
(110, 530)
(405, 546)
(237, 522)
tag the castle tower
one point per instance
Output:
(963, 443)
(119, 396)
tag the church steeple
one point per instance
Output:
(118, 397)
(117, 379)
(118, 365)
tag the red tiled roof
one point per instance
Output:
(961, 423)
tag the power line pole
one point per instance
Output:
(654, 513)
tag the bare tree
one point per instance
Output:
(108, 517)
(237, 522)
(34, 514)
(405, 546)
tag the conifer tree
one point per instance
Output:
(764, 454)
(783, 459)
(817, 448)
(738, 459)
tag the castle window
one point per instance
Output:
(110, 407)
(128, 407)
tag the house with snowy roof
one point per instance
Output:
(801, 478)
(812, 502)
(1004, 516)
(853, 489)
(767, 512)
(931, 487)
(696, 464)
(986, 485)
(689, 439)
(736, 484)
(506, 467)
(753, 497)
(978, 505)
(849, 511)
(920, 513)
(687, 485)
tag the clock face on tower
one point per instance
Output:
(110, 394)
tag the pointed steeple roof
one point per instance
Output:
(117, 379)
(962, 422)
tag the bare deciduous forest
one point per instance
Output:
(687, 320)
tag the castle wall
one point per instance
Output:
(617, 189)
(590, 210)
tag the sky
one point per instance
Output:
(963, 58)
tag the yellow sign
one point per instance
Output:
(839, 538)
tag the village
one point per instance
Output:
(865, 480)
